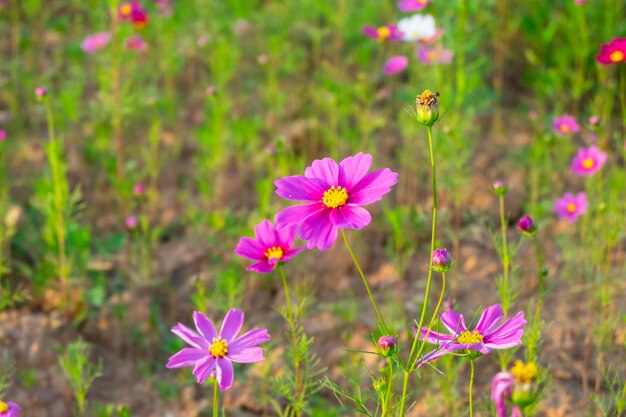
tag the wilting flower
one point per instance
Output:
(269, 247)
(430, 56)
(501, 385)
(526, 224)
(417, 27)
(383, 33)
(334, 194)
(135, 43)
(612, 53)
(9, 409)
(395, 65)
(565, 124)
(3, 135)
(570, 207)
(442, 260)
(588, 160)
(427, 108)
(490, 333)
(93, 43)
(212, 353)
(412, 5)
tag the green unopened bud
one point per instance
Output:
(427, 108)
(380, 385)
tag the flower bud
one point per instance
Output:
(442, 260)
(132, 222)
(387, 343)
(499, 188)
(138, 189)
(41, 93)
(427, 108)
(526, 225)
(594, 120)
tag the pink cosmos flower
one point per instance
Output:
(3, 135)
(395, 65)
(94, 43)
(41, 92)
(490, 333)
(412, 5)
(612, 53)
(139, 189)
(588, 160)
(579, 2)
(430, 56)
(136, 43)
(9, 409)
(570, 207)
(269, 247)
(565, 124)
(213, 353)
(383, 33)
(334, 194)
(132, 222)
(501, 385)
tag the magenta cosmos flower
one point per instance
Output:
(612, 53)
(395, 65)
(213, 353)
(490, 333)
(94, 43)
(334, 194)
(383, 33)
(269, 247)
(430, 56)
(9, 409)
(571, 206)
(588, 161)
(565, 124)
(412, 5)
(501, 385)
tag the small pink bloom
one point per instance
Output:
(135, 43)
(262, 59)
(383, 33)
(431, 56)
(395, 65)
(3, 135)
(94, 43)
(139, 189)
(9, 409)
(412, 5)
(588, 161)
(594, 120)
(211, 90)
(570, 207)
(41, 92)
(532, 114)
(432, 39)
(132, 222)
(613, 53)
(565, 125)
(579, 2)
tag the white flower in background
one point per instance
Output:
(417, 27)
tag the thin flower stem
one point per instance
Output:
(367, 287)
(387, 409)
(505, 259)
(412, 356)
(287, 299)
(215, 402)
(433, 318)
(471, 386)
(541, 283)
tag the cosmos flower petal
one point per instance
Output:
(355, 168)
(350, 217)
(435, 337)
(224, 373)
(232, 324)
(293, 252)
(373, 187)
(203, 369)
(262, 267)
(510, 325)
(325, 169)
(264, 234)
(297, 214)
(489, 319)
(187, 357)
(318, 230)
(189, 336)
(454, 322)
(248, 355)
(251, 338)
(204, 326)
(286, 236)
(250, 249)
(432, 356)
(301, 188)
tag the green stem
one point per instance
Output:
(367, 287)
(215, 403)
(387, 409)
(541, 283)
(433, 318)
(410, 363)
(471, 386)
(505, 259)
(287, 299)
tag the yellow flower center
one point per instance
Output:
(588, 163)
(617, 56)
(432, 55)
(524, 373)
(422, 1)
(335, 197)
(219, 348)
(125, 10)
(571, 207)
(275, 252)
(467, 338)
(564, 128)
(4, 407)
(383, 32)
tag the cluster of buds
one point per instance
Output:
(427, 108)
(134, 13)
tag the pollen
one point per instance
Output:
(524, 373)
(335, 197)
(588, 163)
(427, 98)
(617, 56)
(275, 252)
(571, 207)
(467, 338)
(4, 407)
(383, 32)
(564, 128)
(219, 348)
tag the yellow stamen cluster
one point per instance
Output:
(588, 163)
(4, 407)
(427, 98)
(617, 56)
(427, 108)
(125, 10)
(335, 197)
(524, 373)
(275, 252)
(383, 32)
(571, 207)
(219, 348)
(564, 128)
(467, 338)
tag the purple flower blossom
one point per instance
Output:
(431, 56)
(387, 342)
(526, 224)
(412, 5)
(334, 194)
(570, 207)
(612, 53)
(41, 92)
(132, 222)
(565, 125)
(383, 33)
(213, 353)
(395, 65)
(139, 189)
(588, 161)
(94, 43)
(9, 409)
(136, 43)
(489, 334)
(270, 247)
(442, 260)
(501, 385)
